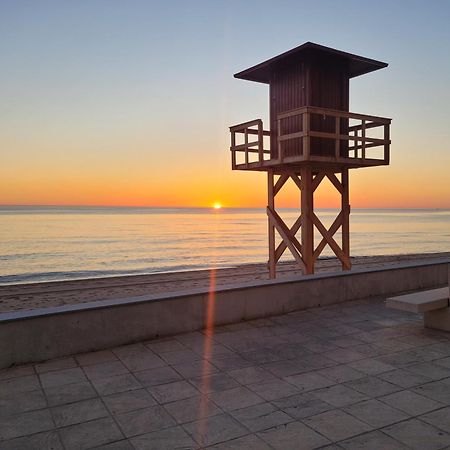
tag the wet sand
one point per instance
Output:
(57, 293)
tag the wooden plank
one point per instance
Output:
(331, 242)
(420, 302)
(280, 183)
(296, 179)
(282, 245)
(244, 125)
(287, 137)
(317, 180)
(322, 244)
(291, 241)
(347, 115)
(333, 178)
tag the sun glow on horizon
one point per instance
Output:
(217, 205)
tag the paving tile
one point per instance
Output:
(293, 436)
(319, 345)
(249, 442)
(373, 386)
(129, 401)
(440, 418)
(411, 403)
(341, 373)
(403, 378)
(231, 362)
(309, 381)
(14, 372)
(17, 402)
(214, 383)
(160, 375)
(48, 440)
(260, 417)
(102, 356)
(375, 413)
(144, 420)
(418, 435)
(167, 345)
(429, 370)
(69, 393)
(215, 429)
(180, 356)
(337, 425)
(62, 377)
(55, 364)
(117, 383)
(340, 395)
(445, 362)
(235, 398)
(168, 439)
(78, 412)
(371, 366)
(25, 423)
(274, 390)
(123, 444)
(141, 360)
(438, 390)
(192, 409)
(20, 384)
(303, 405)
(375, 440)
(106, 369)
(90, 434)
(344, 355)
(170, 392)
(195, 369)
(252, 374)
(130, 349)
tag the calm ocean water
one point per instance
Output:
(56, 243)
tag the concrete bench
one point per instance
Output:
(434, 304)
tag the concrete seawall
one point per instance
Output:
(41, 334)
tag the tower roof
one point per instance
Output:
(358, 65)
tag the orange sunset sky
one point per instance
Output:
(129, 103)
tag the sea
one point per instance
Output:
(43, 243)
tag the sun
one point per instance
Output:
(217, 205)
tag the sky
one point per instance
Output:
(129, 102)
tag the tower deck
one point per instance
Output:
(351, 140)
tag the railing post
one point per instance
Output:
(386, 144)
(279, 142)
(337, 142)
(246, 146)
(260, 142)
(306, 139)
(363, 142)
(233, 151)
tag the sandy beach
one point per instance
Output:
(50, 294)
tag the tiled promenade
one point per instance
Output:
(355, 376)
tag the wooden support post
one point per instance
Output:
(307, 227)
(345, 207)
(271, 206)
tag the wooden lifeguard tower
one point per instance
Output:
(312, 136)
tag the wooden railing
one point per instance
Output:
(248, 148)
(355, 137)
(313, 134)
